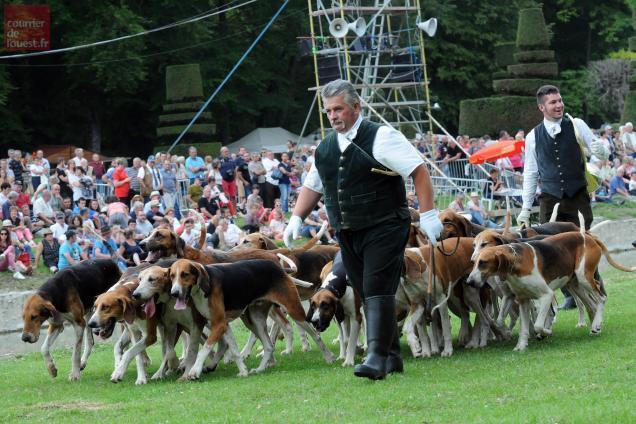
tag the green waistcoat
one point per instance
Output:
(355, 196)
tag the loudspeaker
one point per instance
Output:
(358, 27)
(338, 28)
(429, 26)
(328, 69)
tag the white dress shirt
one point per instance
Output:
(270, 165)
(531, 168)
(390, 148)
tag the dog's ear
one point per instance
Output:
(339, 312)
(310, 312)
(412, 268)
(179, 244)
(48, 310)
(499, 240)
(203, 280)
(503, 265)
(128, 308)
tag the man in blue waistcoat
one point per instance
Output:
(360, 170)
(553, 156)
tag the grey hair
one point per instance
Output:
(340, 87)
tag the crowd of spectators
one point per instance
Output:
(81, 208)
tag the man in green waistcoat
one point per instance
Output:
(360, 169)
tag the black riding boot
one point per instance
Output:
(394, 361)
(380, 315)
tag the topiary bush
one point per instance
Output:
(182, 107)
(183, 82)
(632, 44)
(523, 87)
(532, 34)
(183, 118)
(534, 56)
(629, 110)
(490, 115)
(504, 54)
(500, 75)
(534, 70)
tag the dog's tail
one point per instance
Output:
(311, 243)
(609, 258)
(285, 260)
(555, 212)
(203, 229)
(443, 302)
(581, 223)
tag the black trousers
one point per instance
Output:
(374, 256)
(568, 207)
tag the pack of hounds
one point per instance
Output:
(502, 276)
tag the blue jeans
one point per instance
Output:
(478, 219)
(284, 196)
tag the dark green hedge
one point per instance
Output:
(632, 44)
(182, 107)
(534, 70)
(490, 115)
(500, 75)
(198, 129)
(522, 87)
(183, 118)
(181, 149)
(534, 56)
(504, 53)
(629, 110)
(183, 82)
(532, 33)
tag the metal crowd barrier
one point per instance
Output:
(103, 191)
(182, 195)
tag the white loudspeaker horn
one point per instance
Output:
(358, 27)
(429, 26)
(338, 28)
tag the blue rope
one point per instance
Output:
(228, 76)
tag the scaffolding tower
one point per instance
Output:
(378, 47)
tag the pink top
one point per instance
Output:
(116, 207)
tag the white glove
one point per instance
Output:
(524, 217)
(292, 230)
(431, 225)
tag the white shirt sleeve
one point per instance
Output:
(395, 152)
(530, 172)
(312, 180)
(141, 173)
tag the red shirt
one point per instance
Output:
(23, 199)
(123, 190)
(98, 169)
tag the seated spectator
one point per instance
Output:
(76, 222)
(56, 198)
(136, 207)
(195, 191)
(49, 250)
(154, 196)
(253, 219)
(174, 222)
(79, 205)
(29, 220)
(618, 187)
(209, 202)
(132, 225)
(11, 201)
(254, 197)
(478, 213)
(493, 185)
(70, 251)
(189, 235)
(67, 206)
(5, 189)
(23, 198)
(457, 205)
(60, 227)
(311, 225)
(322, 218)
(134, 200)
(107, 247)
(278, 204)
(144, 227)
(154, 211)
(8, 255)
(411, 200)
(632, 184)
(226, 235)
(20, 230)
(277, 224)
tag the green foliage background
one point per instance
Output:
(112, 96)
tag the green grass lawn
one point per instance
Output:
(570, 377)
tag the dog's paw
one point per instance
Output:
(520, 347)
(348, 363)
(158, 376)
(141, 381)
(74, 376)
(447, 353)
(242, 373)
(305, 348)
(52, 371)
(330, 358)
(286, 352)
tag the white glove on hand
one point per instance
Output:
(292, 230)
(524, 217)
(431, 225)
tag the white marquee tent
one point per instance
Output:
(274, 139)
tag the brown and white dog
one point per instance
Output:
(68, 297)
(335, 299)
(534, 269)
(222, 292)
